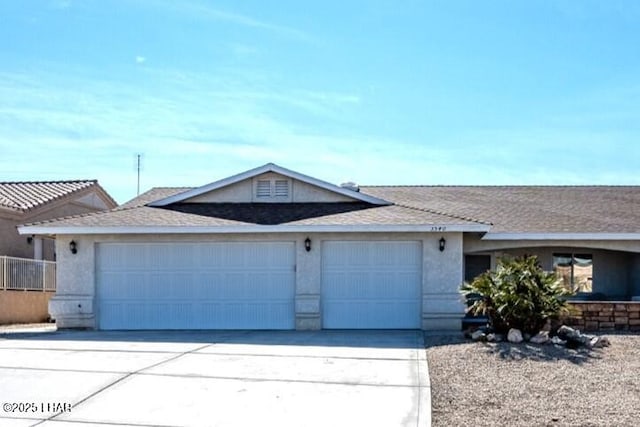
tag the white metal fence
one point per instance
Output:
(27, 274)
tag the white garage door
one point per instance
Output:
(371, 285)
(226, 285)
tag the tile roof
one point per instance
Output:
(529, 209)
(24, 196)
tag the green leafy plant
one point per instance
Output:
(518, 294)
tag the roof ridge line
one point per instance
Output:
(433, 211)
(499, 186)
(55, 181)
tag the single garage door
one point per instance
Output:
(371, 284)
(225, 285)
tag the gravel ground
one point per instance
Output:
(482, 384)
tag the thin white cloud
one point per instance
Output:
(201, 128)
(140, 59)
(202, 10)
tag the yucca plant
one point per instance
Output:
(518, 294)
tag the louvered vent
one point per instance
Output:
(263, 188)
(281, 188)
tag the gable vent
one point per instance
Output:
(281, 188)
(263, 188)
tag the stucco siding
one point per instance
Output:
(24, 306)
(305, 193)
(11, 243)
(442, 306)
(240, 192)
(74, 304)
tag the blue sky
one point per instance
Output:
(376, 92)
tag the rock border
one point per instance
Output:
(565, 336)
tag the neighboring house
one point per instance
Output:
(275, 249)
(22, 202)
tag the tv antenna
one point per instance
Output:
(138, 167)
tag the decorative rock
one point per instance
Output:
(478, 336)
(599, 342)
(495, 337)
(573, 337)
(541, 337)
(566, 333)
(558, 341)
(514, 336)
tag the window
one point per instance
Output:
(272, 188)
(575, 270)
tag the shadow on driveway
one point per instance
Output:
(402, 339)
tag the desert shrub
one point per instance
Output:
(518, 294)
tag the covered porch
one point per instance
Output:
(591, 270)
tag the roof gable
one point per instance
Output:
(323, 188)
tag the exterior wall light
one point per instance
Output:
(307, 244)
(442, 243)
(73, 247)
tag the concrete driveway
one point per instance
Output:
(324, 378)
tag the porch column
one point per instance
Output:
(37, 248)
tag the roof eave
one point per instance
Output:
(362, 228)
(561, 236)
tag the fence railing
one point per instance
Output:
(27, 274)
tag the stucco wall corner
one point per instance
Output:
(72, 311)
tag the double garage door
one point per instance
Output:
(251, 285)
(226, 285)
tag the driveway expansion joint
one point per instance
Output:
(385, 388)
(124, 377)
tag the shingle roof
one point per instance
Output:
(218, 215)
(529, 209)
(154, 194)
(24, 196)
(508, 209)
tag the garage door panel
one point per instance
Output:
(369, 315)
(205, 286)
(170, 257)
(131, 257)
(371, 284)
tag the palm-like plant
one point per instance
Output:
(518, 294)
